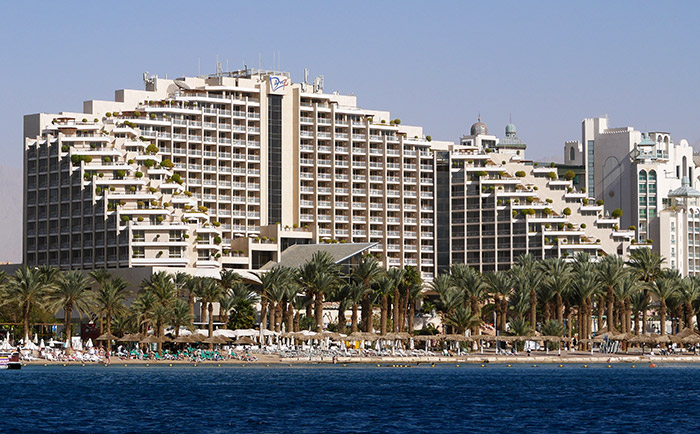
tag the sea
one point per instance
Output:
(446, 398)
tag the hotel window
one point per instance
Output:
(642, 201)
(175, 252)
(138, 252)
(642, 213)
(652, 213)
(642, 176)
(652, 176)
(652, 201)
(652, 188)
(642, 188)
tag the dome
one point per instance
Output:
(510, 130)
(479, 128)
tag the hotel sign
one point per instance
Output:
(278, 83)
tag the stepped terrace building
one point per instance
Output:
(229, 170)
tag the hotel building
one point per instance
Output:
(229, 170)
(651, 179)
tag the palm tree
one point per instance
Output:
(689, 292)
(272, 287)
(243, 314)
(180, 315)
(354, 292)
(190, 286)
(557, 277)
(470, 282)
(647, 266)
(415, 293)
(26, 289)
(624, 291)
(449, 297)
(367, 272)
(226, 304)
(500, 285)
(100, 276)
(462, 319)
(583, 288)
(664, 288)
(317, 276)
(411, 281)
(397, 274)
(71, 293)
(527, 278)
(180, 280)
(385, 286)
(143, 307)
(609, 272)
(210, 292)
(520, 327)
(110, 299)
(162, 287)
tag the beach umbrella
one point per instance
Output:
(183, 340)
(106, 337)
(131, 337)
(36, 339)
(244, 340)
(151, 340)
(42, 344)
(686, 332)
(89, 343)
(197, 337)
(211, 340)
(692, 339)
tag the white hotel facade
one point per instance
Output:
(229, 170)
(653, 180)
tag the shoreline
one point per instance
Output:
(469, 360)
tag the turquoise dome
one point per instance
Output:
(510, 130)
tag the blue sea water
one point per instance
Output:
(337, 399)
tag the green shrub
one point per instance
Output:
(569, 175)
(566, 211)
(138, 174)
(166, 163)
(152, 149)
(217, 240)
(520, 173)
(552, 175)
(617, 213)
(599, 202)
(149, 163)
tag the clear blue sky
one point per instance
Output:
(431, 63)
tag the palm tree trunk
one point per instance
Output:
(601, 309)
(159, 333)
(66, 316)
(644, 312)
(25, 312)
(611, 300)
(411, 315)
(533, 309)
(278, 317)
(190, 303)
(560, 310)
(627, 317)
(297, 319)
(689, 314)
(382, 322)
(366, 314)
(663, 317)
(210, 310)
(290, 318)
(341, 318)
(353, 319)
(504, 316)
(271, 315)
(263, 313)
(396, 302)
(319, 311)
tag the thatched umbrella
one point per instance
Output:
(151, 340)
(692, 339)
(131, 337)
(686, 332)
(212, 340)
(107, 337)
(243, 340)
(197, 337)
(183, 340)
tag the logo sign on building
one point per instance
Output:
(278, 83)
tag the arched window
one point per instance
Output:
(572, 153)
(652, 176)
(643, 176)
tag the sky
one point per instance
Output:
(438, 64)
